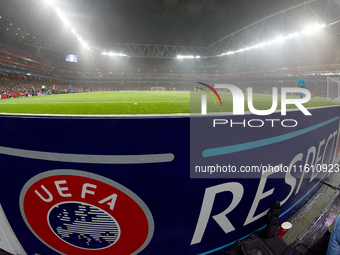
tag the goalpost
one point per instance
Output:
(333, 88)
(157, 88)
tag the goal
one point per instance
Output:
(333, 88)
(157, 88)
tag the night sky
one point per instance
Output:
(168, 22)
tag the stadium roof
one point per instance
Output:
(168, 22)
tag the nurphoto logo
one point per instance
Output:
(238, 99)
(238, 105)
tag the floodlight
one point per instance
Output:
(312, 29)
(185, 56)
(227, 53)
(307, 30)
(114, 54)
(269, 42)
(57, 10)
(66, 22)
(261, 45)
(293, 35)
(279, 39)
(198, 56)
(257, 46)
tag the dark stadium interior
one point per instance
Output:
(34, 42)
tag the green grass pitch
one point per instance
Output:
(133, 102)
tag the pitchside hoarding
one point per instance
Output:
(140, 185)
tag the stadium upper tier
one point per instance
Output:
(317, 55)
(23, 68)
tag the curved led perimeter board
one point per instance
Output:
(154, 184)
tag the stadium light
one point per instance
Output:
(85, 45)
(268, 42)
(111, 54)
(185, 56)
(279, 39)
(66, 22)
(62, 16)
(293, 35)
(312, 29)
(228, 53)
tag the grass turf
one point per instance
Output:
(133, 102)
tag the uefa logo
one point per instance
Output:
(75, 212)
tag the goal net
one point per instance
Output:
(157, 88)
(333, 88)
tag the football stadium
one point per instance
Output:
(170, 127)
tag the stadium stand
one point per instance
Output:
(22, 66)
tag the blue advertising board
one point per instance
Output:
(137, 185)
